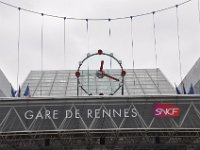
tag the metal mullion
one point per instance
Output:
(154, 82)
(42, 74)
(67, 83)
(53, 83)
(139, 82)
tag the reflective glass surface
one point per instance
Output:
(64, 83)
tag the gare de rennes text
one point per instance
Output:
(76, 113)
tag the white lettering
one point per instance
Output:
(55, 113)
(30, 116)
(77, 114)
(134, 113)
(94, 113)
(47, 114)
(89, 113)
(69, 114)
(118, 113)
(108, 113)
(97, 112)
(39, 115)
(126, 113)
(167, 111)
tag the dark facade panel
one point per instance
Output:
(94, 113)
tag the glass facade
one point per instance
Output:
(61, 83)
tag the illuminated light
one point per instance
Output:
(123, 73)
(77, 74)
(100, 52)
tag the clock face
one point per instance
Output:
(100, 74)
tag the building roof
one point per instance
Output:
(193, 77)
(59, 83)
(5, 86)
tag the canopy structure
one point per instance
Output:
(107, 122)
(64, 83)
(148, 116)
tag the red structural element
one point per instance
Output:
(77, 74)
(100, 51)
(123, 73)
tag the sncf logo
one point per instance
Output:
(166, 110)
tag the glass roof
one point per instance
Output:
(60, 83)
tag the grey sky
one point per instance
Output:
(77, 40)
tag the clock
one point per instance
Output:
(94, 77)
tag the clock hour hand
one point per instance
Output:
(109, 76)
(101, 67)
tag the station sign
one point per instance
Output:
(166, 110)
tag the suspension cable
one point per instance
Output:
(199, 11)
(133, 62)
(110, 42)
(42, 48)
(64, 38)
(178, 38)
(155, 50)
(18, 46)
(94, 19)
(109, 32)
(155, 40)
(88, 39)
(132, 53)
(88, 67)
(42, 41)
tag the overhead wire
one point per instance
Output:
(199, 10)
(42, 48)
(178, 40)
(42, 40)
(155, 40)
(133, 63)
(155, 49)
(110, 42)
(64, 42)
(18, 45)
(132, 53)
(94, 19)
(88, 67)
(88, 39)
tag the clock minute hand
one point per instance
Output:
(101, 67)
(109, 76)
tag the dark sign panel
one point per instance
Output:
(42, 115)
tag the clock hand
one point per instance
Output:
(101, 67)
(109, 76)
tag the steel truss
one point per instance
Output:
(105, 139)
